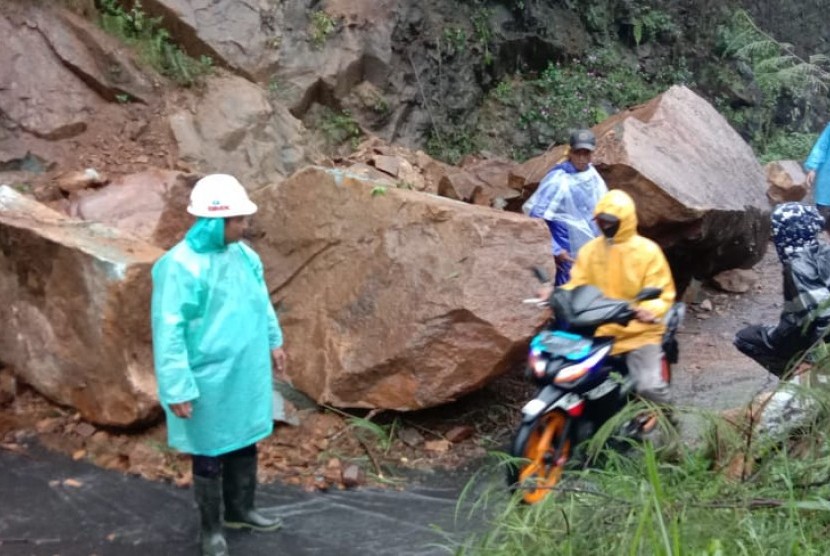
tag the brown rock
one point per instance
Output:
(77, 323)
(786, 180)
(151, 205)
(439, 446)
(737, 280)
(73, 182)
(55, 111)
(353, 476)
(459, 433)
(85, 430)
(388, 164)
(235, 129)
(100, 60)
(373, 340)
(699, 189)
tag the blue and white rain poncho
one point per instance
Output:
(565, 199)
(817, 161)
(213, 330)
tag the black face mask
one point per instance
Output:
(610, 225)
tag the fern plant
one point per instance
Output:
(776, 67)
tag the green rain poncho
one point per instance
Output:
(213, 329)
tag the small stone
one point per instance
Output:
(707, 305)
(438, 446)
(353, 476)
(85, 430)
(410, 437)
(50, 424)
(459, 433)
(74, 483)
(737, 280)
(78, 455)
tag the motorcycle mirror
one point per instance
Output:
(649, 293)
(540, 274)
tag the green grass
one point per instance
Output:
(676, 499)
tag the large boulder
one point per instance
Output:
(700, 191)
(235, 129)
(391, 298)
(75, 311)
(151, 205)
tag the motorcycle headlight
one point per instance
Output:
(537, 363)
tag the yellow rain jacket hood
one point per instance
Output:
(622, 266)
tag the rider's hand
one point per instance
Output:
(544, 291)
(182, 410)
(563, 257)
(811, 178)
(644, 315)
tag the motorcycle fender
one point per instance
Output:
(543, 401)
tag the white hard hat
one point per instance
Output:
(219, 196)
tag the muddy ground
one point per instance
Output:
(333, 450)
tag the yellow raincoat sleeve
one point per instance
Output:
(658, 275)
(175, 302)
(579, 272)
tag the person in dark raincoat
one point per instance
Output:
(805, 316)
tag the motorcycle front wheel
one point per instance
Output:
(543, 444)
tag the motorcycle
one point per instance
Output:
(581, 385)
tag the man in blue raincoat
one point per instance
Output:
(215, 336)
(566, 198)
(818, 174)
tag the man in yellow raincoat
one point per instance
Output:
(215, 335)
(621, 263)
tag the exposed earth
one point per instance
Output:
(330, 449)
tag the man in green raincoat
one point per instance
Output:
(215, 336)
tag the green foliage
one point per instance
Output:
(381, 435)
(152, 41)
(339, 127)
(321, 26)
(583, 92)
(454, 40)
(482, 33)
(503, 91)
(783, 145)
(648, 25)
(452, 144)
(778, 72)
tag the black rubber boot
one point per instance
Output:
(208, 494)
(239, 481)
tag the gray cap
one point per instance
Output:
(583, 139)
